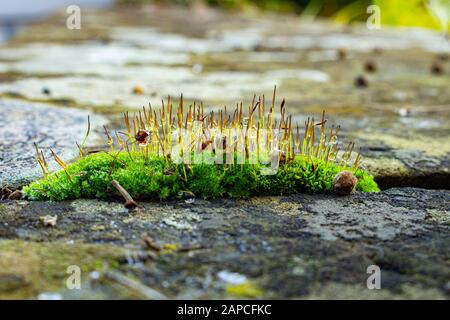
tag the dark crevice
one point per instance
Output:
(428, 181)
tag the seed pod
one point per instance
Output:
(142, 137)
(370, 66)
(344, 182)
(361, 82)
(138, 90)
(342, 53)
(6, 192)
(187, 195)
(46, 91)
(16, 195)
(437, 68)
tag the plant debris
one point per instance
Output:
(129, 202)
(370, 66)
(437, 68)
(16, 195)
(150, 243)
(6, 192)
(48, 221)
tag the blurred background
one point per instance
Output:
(422, 13)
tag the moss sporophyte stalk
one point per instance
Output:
(167, 152)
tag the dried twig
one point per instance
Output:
(129, 202)
(16, 195)
(150, 243)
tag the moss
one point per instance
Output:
(169, 248)
(156, 178)
(438, 216)
(244, 290)
(27, 268)
(366, 183)
(3, 209)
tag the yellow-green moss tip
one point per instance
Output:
(244, 290)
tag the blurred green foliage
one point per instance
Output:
(421, 13)
(432, 14)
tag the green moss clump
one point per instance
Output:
(158, 178)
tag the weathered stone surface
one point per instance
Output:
(304, 246)
(24, 123)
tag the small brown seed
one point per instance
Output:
(344, 182)
(370, 66)
(437, 68)
(342, 53)
(361, 82)
(6, 192)
(138, 90)
(16, 195)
